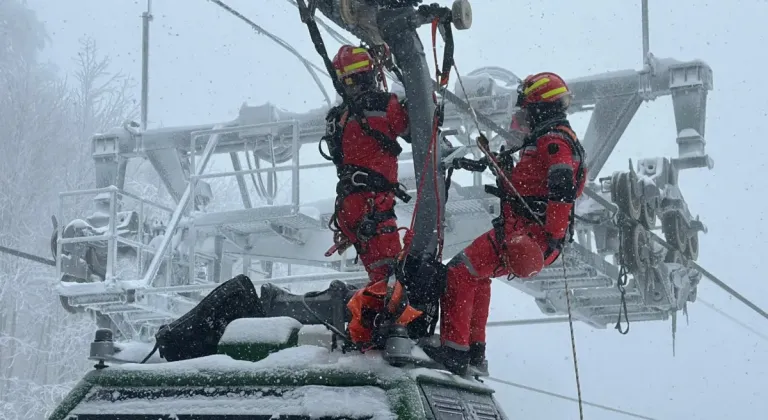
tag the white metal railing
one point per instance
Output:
(111, 236)
(198, 166)
(184, 201)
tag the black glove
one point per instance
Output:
(469, 164)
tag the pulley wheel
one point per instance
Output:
(675, 231)
(614, 187)
(347, 12)
(625, 195)
(635, 249)
(692, 250)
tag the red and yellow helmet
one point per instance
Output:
(543, 88)
(352, 60)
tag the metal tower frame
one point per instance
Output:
(136, 264)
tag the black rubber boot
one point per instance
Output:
(197, 333)
(456, 361)
(477, 360)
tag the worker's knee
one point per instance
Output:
(480, 259)
(523, 256)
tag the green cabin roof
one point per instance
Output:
(277, 376)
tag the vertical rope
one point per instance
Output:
(573, 337)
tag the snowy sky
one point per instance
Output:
(205, 64)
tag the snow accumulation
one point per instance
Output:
(645, 180)
(77, 289)
(135, 351)
(314, 401)
(315, 335)
(297, 359)
(310, 211)
(275, 330)
(293, 359)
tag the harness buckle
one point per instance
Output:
(355, 183)
(538, 204)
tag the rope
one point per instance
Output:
(621, 284)
(573, 336)
(733, 319)
(22, 254)
(567, 398)
(311, 68)
(443, 78)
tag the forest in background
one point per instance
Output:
(46, 120)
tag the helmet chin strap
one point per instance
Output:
(549, 121)
(544, 116)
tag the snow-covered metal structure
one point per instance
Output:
(137, 264)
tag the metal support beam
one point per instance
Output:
(536, 321)
(646, 31)
(146, 17)
(609, 120)
(183, 202)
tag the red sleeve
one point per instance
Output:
(397, 116)
(558, 159)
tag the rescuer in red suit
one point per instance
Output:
(549, 176)
(362, 141)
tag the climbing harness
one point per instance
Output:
(482, 143)
(531, 207)
(351, 179)
(354, 179)
(339, 116)
(353, 109)
(353, 106)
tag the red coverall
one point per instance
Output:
(363, 154)
(466, 301)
